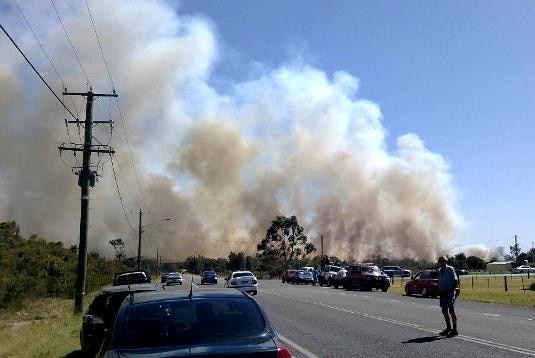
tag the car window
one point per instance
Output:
(98, 306)
(242, 274)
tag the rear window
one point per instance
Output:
(242, 274)
(131, 278)
(334, 269)
(181, 322)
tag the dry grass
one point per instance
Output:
(44, 328)
(489, 289)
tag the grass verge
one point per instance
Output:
(489, 289)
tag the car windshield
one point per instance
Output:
(370, 269)
(174, 274)
(242, 274)
(182, 322)
(209, 273)
(334, 269)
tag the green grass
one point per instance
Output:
(44, 328)
(489, 290)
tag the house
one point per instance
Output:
(499, 266)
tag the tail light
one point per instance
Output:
(283, 352)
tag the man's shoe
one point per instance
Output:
(452, 333)
(445, 332)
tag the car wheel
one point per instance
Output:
(384, 289)
(335, 284)
(424, 292)
(407, 291)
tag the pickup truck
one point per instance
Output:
(396, 271)
(327, 275)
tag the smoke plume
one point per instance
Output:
(291, 140)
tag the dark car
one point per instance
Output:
(208, 277)
(101, 313)
(424, 283)
(288, 275)
(131, 277)
(394, 271)
(460, 271)
(208, 323)
(303, 276)
(366, 277)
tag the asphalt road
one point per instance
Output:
(325, 322)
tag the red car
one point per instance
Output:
(424, 283)
(288, 275)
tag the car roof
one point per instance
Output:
(130, 288)
(145, 297)
(233, 272)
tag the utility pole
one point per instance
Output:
(86, 178)
(517, 249)
(140, 231)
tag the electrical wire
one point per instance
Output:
(37, 72)
(99, 45)
(119, 193)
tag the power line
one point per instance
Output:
(99, 44)
(37, 72)
(119, 193)
(70, 42)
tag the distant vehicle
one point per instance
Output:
(396, 271)
(101, 314)
(424, 283)
(131, 277)
(303, 276)
(327, 275)
(163, 277)
(208, 277)
(243, 281)
(174, 278)
(523, 269)
(460, 272)
(209, 323)
(307, 268)
(288, 275)
(366, 277)
(339, 278)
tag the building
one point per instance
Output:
(499, 266)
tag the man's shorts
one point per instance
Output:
(447, 299)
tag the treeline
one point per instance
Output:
(33, 268)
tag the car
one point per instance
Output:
(327, 274)
(396, 271)
(425, 283)
(101, 313)
(288, 275)
(366, 276)
(460, 271)
(523, 269)
(243, 281)
(183, 323)
(174, 278)
(131, 277)
(303, 276)
(339, 279)
(208, 277)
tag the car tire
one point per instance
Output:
(335, 284)
(384, 289)
(407, 291)
(425, 293)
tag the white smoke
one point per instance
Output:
(293, 140)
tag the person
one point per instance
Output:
(448, 286)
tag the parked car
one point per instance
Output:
(523, 269)
(243, 281)
(424, 283)
(340, 277)
(327, 275)
(101, 313)
(207, 323)
(303, 276)
(396, 271)
(460, 272)
(366, 276)
(288, 275)
(131, 277)
(208, 277)
(174, 278)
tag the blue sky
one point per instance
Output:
(459, 74)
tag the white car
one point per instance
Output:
(244, 281)
(173, 278)
(523, 269)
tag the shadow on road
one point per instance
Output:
(75, 354)
(424, 339)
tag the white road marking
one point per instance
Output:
(491, 314)
(434, 306)
(342, 293)
(484, 342)
(394, 300)
(365, 297)
(297, 347)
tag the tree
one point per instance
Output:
(475, 263)
(119, 247)
(285, 244)
(515, 251)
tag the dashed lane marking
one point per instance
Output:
(297, 347)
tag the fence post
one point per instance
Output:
(472, 282)
(505, 282)
(488, 282)
(523, 288)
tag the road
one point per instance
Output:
(324, 322)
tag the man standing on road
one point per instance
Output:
(448, 286)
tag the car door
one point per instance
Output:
(417, 283)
